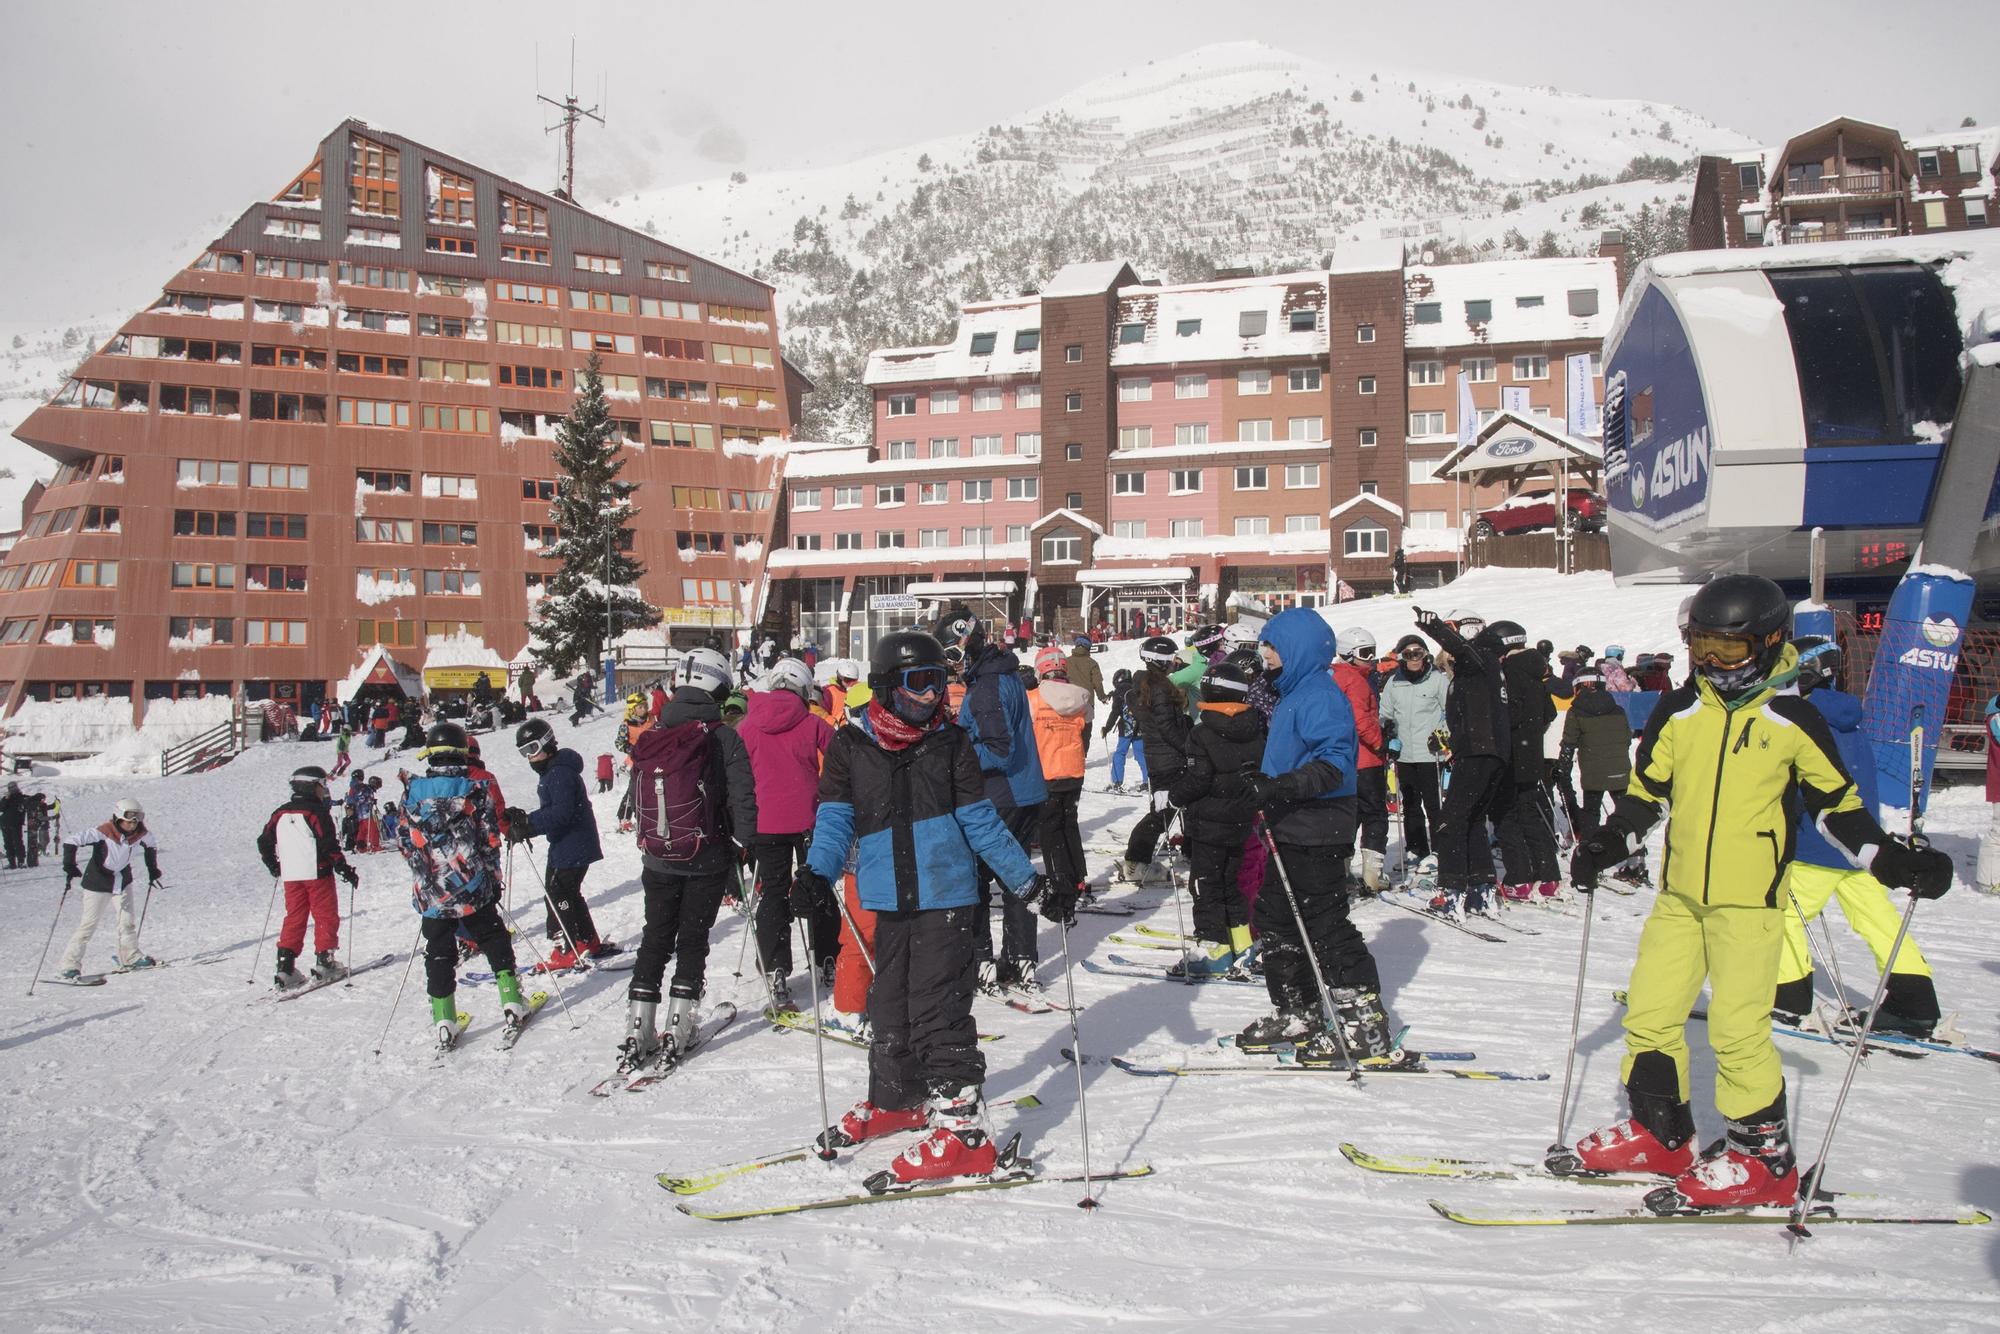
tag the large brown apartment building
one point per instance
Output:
(333, 433)
(1846, 180)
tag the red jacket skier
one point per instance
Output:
(300, 847)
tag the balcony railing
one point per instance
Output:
(1833, 231)
(1865, 183)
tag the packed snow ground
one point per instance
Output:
(182, 1154)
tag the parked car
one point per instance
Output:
(1534, 510)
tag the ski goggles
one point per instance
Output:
(1715, 648)
(921, 681)
(530, 749)
(1363, 655)
(1415, 652)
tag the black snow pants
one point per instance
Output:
(1319, 880)
(1218, 896)
(680, 911)
(569, 922)
(921, 1006)
(1528, 836)
(1479, 784)
(776, 855)
(441, 934)
(1418, 786)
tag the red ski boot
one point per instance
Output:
(958, 1145)
(1657, 1137)
(1753, 1168)
(866, 1121)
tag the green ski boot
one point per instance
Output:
(444, 1021)
(512, 1006)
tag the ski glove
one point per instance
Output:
(1924, 871)
(1590, 860)
(347, 873)
(811, 892)
(1260, 789)
(1162, 803)
(1394, 750)
(272, 867)
(1055, 902)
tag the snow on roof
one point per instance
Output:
(993, 553)
(1512, 441)
(1367, 256)
(856, 460)
(1091, 279)
(1067, 515)
(1390, 506)
(1218, 321)
(948, 588)
(1150, 574)
(461, 650)
(1506, 283)
(1001, 321)
(1312, 544)
(1986, 137)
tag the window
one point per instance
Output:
(298, 270)
(1135, 437)
(451, 487)
(1062, 547)
(196, 401)
(1191, 433)
(538, 377)
(1254, 429)
(683, 435)
(1427, 423)
(944, 401)
(982, 344)
(286, 527)
(1479, 311)
(1749, 177)
(681, 391)
(1302, 321)
(1427, 520)
(371, 275)
(1365, 540)
(972, 537)
(1934, 216)
(291, 358)
(1072, 402)
(91, 574)
(374, 412)
(392, 634)
(99, 519)
(604, 303)
(1301, 474)
(1975, 213)
(847, 541)
(451, 245)
(1420, 471)
(432, 326)
(1253, 525)
(889, 495)
(903, 405)
(986, 400)
(1073, 500)
(805, 541)
(1427, 372)
(589, 340)
(1366, 384)
(1531, 368)
(533, 294)
(1073, 353)
(374, 176)
(274, 632)
(461, 372)
(1365, 437)
(1302, 523)
(458, 421)
(1254, 477)
(1305, 428)
(1929, 162)
(526, 335)
(449, 582)
(1426, 312)
(886, 540)
(1186, 328)
(1027, 340)
(1028, 444)
(741, 396)
(1479, 370)
(1135, 389)
(205, 472)
(195, 631)
(370, 479)
(662, 308)
(667, 272)
(1365, 333)
(513, 252)
(357, 363)
(899, 450)
(1184, 528)
(274, 578)
(1128, 528)
(984, 445)
(1128, 484)
(518, 215)
(401, 531)
(1527, 303)
(599, 264)
(977, 490)
(452, 535)
(1027, 396)
(1073, 453)
(933, 493)
(1875, 348)
(1302, 379)
(80, 630)
(1370, 489)
(1253, 381)
(1024, 488)
(1191, 386)
(1017, 532)
(1132, 333)
(189, 574)
(747, 316)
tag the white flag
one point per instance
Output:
(1468, 420)
(1515, 400)
(1584, 416)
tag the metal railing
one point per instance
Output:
(1843, 183)
(203, 750)
(1800, 233)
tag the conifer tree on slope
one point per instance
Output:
(592, 507)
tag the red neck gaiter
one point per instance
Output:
(895, 734)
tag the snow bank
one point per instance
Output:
(102, 729)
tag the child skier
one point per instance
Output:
(694, 798)
(1160, 710)
(785, 741)
(565, 818)
(390, 821)
(1413, 706)
(1481, 750)
(1726, 752)
(341, 746)
(112, 846)
(1061, 714)
(606, 770)
(300, 848)
(1225, 748)
(905, 788)
(1119, 716)
(1525, 823)
(450, 837)
(1598, 738)
(1306, 789)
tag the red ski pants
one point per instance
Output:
(322, 900)
(851, 974)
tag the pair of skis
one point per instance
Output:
(320, 983)
(1286, 1063)
(510, 1029)
(1828, 1207)
(632, 1079)
(1900, 1044)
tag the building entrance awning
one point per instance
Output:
(1156, 576)
(963, 588)
(377, 668)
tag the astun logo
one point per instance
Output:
(1638, 488)
(1512, 447)
(1941, 631)
(1935, 658)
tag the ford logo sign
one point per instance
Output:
(1511, 447)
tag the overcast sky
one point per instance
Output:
(143, 127)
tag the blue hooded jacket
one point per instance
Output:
(1842, 712)
(565, 817)
(1313, 720)
(995, 711)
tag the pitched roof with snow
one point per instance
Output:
(1004, 321)
(1092, 279)
(1219, 321)
(1543, 285)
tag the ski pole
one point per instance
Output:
(350, 933)
(854, 930)
(415, 950)
(1180, 918)
(749, 923)
(1312, 957)
(1089, 1200)
(51, 940)
(1575, 1025)
(826, 1152)
(548, 901)
(268, 910)
(1821, 965)
(550, 974)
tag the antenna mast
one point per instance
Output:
(572, 112)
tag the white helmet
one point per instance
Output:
(788, 674)
(127, 809)
(824, 673)
(849, 669)
(706, 668)
(1354, 640)
(1240, 634)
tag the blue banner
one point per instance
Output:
(1911, 681)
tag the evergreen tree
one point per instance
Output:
(592, 509)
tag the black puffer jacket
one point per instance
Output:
(1598, 730)
(1160, 710)
(1530, 711)
(1475, 711)
(1225, 747)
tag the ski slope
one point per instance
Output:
(180, 1153)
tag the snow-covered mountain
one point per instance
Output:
(1237, 153)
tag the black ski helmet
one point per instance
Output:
(309, 780)
(1819, 663)
(536, 740)
(960, 627)
(445, 743)
(1228, 682)
(1206, 639)
(1507, 634)
(1546, 648)
(1248, 661)
(1160, 651)
(895, 654)
(1745, 606)
(1121, 677)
